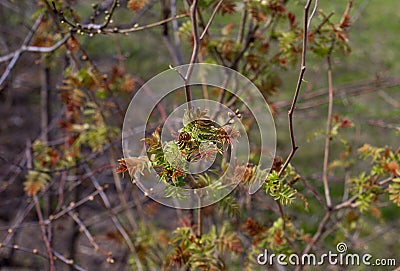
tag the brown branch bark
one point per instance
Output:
(14, 58)
(328, 135)
(44, 233)
(297, 90)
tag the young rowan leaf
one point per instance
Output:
(35, 181)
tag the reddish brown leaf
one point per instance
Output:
(227, 7)
(135, 5)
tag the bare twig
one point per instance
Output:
(93, 29)
(197, 39)
(67, 261)
(84, 229)
(199, 219)
(17, 54)
(324, 21)
(312, 13)
(196, 47)
(144, 27)
(328, 134)
(390, 100)
(44, 233)
(242, 26)
(22, 214)
(313, 190)
(316, 237)
(44, 101)
(318, 97)
(36, 252)
(347, 203)
(33, 49)
(297, 91)
(211, 19)
(72, 205)
(175, 28)
(121, 195)
(14, 56)
(114, 218)
(110, 13)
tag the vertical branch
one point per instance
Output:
(195, 52)
(44, 232)
(297, 91)
(328, 133)
(316, 237)
(175, 31)
(199, 220)
(44, 121)
(17, 54)
(114, 218)
(211, 19)
(44, 101)
(40, 215)
(242, 26)
(196, 43)
(165, 12)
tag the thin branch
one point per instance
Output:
(316, 237)
(312, 13)
(211, 19)
(350, 89)
(196, 47)
(34, 49)
(67, 261)
(196, 44)
(297, 91)
(110, 13)
(242, 26)
(346, 13)
(114, 218)
(44, 234)
(324, 21)
(347, 203)
(44, 102)
(175, 28)
(246, 45)
(313, 191)
(166, 11)
(84, 229)
(234, 66)
(144, 27)
(382, 124)
(120, 191)
(199, 219)
(93, 29)
(36, 252)
(328, 133)
(72, 205)
(18, 220)
(16, 56)
(387, 98)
